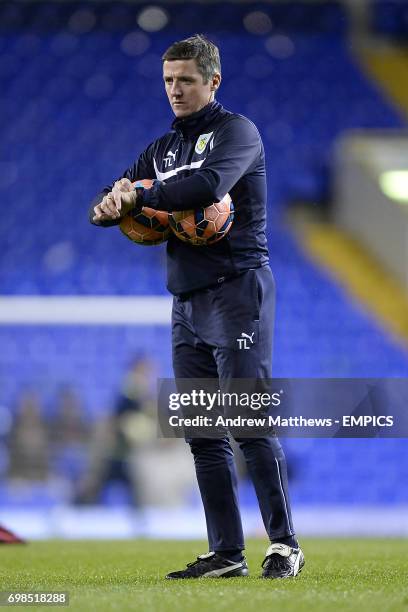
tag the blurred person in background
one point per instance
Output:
(114, 439)
(69, 437)
(28, 441)
(126, 453)
(224, 294)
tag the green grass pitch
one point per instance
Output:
(341, 574)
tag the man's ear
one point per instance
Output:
(215, 83)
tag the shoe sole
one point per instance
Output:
(239, 573)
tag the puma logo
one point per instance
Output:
(243, 341)
(170, 158)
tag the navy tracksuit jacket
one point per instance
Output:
(220, 292)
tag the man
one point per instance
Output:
(222, 293)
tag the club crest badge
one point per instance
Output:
(202, 142)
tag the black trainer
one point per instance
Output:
(211, 565)
(282, 561)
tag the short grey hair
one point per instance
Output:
(198, 47)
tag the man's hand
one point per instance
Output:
(124, 196)
(123, 184)
(117, 203)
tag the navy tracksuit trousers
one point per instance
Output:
(226, 332)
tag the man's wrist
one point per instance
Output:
(142, 197)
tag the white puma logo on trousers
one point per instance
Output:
(242, 342)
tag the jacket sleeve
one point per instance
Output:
(237, 145)
(142, 169)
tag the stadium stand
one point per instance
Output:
(81, 95)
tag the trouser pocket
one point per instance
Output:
(233, 318)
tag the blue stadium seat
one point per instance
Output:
(76, 108)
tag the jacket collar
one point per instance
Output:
(191, 125)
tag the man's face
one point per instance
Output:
(185, 87)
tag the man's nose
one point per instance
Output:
(175, 89)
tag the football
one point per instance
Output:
(205, 225)
(149, 226)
